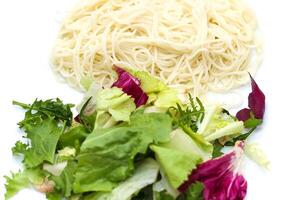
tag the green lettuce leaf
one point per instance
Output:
(19, 148)
(178, 157)
(115, 102)
(54, 196)
(149, 84)
(44, 135)
(154, 124)
(15, 183)
(64, 182)
(163, 196)
(255, 153)
(195, 192)
(162, 188)
(22, 180)
(166, 98)
(217, 123)
(145, 174)
(107, 155)
(73, 137)
(158, 92)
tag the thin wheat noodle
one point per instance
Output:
(193, 45)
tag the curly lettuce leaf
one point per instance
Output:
(107, 155)
(22, 180)
(178, 157)
(19, 148)
(44, 123)
(217, 123)
(158, 92)
(115, 102)
(15, 183)
(144, 175)
(44, 136)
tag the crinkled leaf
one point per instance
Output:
(149, 84)
(166, 98)
(155, 124)
(158, 92)
(145, 174)
(178, 157)
(15, 183)
(22, 180)
(118, 104)
(107, 155)
(44, 135)
(19, 148)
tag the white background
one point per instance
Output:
(28, 29)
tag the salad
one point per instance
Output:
(136, 140)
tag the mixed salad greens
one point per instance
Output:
(135, 140)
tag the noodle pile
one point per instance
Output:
(192, 45)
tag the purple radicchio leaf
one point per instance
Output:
(221, 177)
(131, 86)
(256, 100)
(244, 114)
(256, 104)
